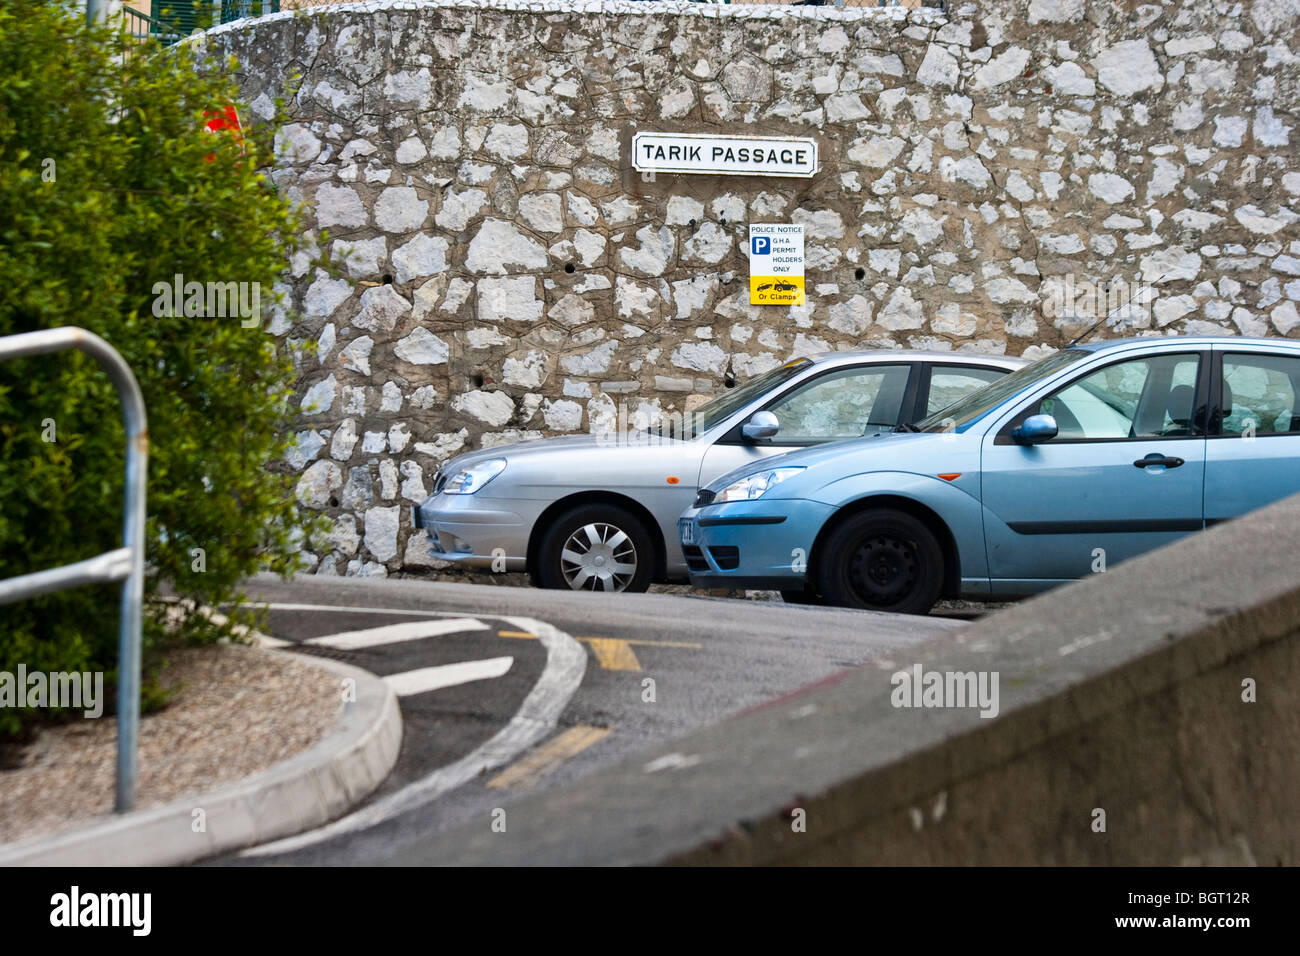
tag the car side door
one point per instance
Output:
(844, 402)
(1252, 455)
(1124, 474)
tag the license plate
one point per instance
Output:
(688, 531)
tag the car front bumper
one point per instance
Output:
(476, 532)
(751, 544)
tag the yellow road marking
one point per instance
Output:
(524, 773)
(614, 655)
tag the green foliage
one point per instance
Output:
(108, 185)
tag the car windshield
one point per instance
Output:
(711, 413)
(964, 412)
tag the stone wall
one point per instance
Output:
(506, 274)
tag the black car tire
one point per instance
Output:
(882, 560)
(607, 520)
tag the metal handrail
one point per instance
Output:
(170, 27)
(125, 564)
(143, 26)
(133, 14)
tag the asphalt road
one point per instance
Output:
(496, 704)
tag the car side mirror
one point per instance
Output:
(761, 425)
(1035, 429)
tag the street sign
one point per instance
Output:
(724, 155)
(776, 264)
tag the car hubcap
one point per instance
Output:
(883, 570)
(598, 557)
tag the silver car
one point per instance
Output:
(599, 512)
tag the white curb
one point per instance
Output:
(301, 793)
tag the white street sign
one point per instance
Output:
(724, 155)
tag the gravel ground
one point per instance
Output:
(236, 710)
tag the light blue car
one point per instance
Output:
(1063, 468)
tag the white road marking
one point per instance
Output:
(566, 662)
(396, 633)
(425, 679)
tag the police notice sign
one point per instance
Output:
(723, 155)
(776, 264)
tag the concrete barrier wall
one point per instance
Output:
(1122, 693)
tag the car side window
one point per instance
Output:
(842, 404)
(1149, 397)
(1259, 394)
(950, 383)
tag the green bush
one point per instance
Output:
(109, 185)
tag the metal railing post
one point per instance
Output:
(125, 564)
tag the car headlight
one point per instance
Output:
(756, 485)
(471, 479)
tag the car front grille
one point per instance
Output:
(725, 556)
(705, 497)
(695, 558)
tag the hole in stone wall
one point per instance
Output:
(478, 381)
(334, 502)
(388, 280)
(859, 273)
(568, 267)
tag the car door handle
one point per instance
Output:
(1155, 459)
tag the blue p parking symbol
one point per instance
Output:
(761, 246)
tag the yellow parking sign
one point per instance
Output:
(776, 264)
(776, 290)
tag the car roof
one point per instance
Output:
(915, 355)
(1106, 345)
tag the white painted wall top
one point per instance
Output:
(624, 7)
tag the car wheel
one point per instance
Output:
(882, 560)
(597, 548)
(806, 595)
